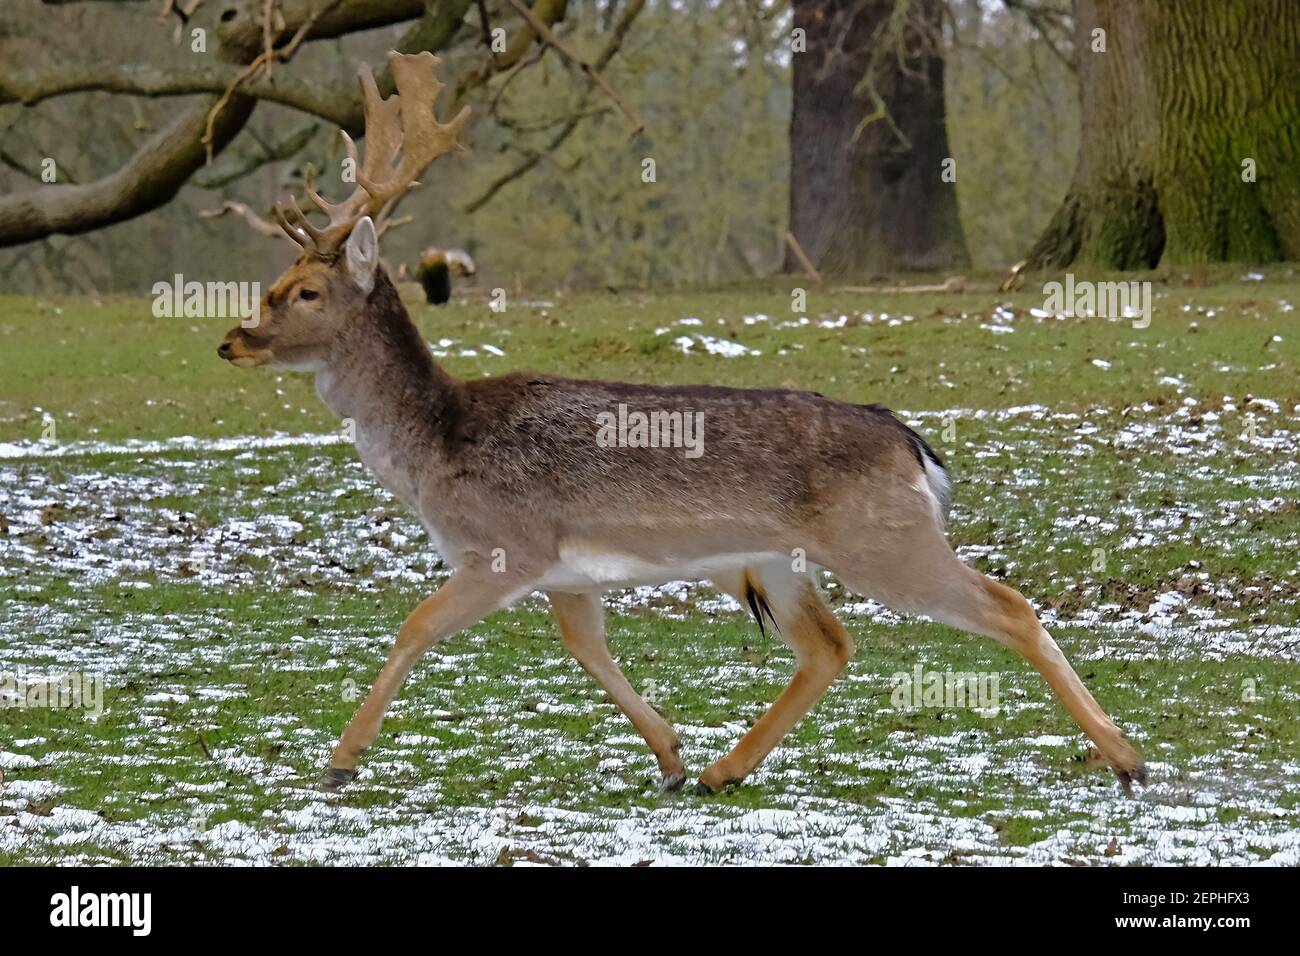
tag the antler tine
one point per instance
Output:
(290, 230)
(404, 123)
(309, 187)
(423, 138)
(317, 236)
(384, 129)
(383, 139)
(340, 213)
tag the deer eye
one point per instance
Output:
(308, 295)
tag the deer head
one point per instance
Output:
(330, 283)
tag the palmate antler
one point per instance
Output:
(403, 123)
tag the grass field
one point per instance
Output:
(204, 540)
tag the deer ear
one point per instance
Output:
(362, 255)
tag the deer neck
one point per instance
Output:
(396, 402)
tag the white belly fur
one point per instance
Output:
(586, 569)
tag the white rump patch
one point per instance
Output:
(934, 483)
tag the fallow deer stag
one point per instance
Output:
(516, 468)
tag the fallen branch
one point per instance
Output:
(951, 284)
(1014, 278)
(804, 261)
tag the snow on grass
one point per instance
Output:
(228, 678)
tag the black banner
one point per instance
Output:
(218, 905)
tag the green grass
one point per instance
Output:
(109, 369)
(239, 600)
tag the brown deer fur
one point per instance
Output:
(518, 492)
(508, 471)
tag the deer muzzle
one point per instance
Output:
(242, 350)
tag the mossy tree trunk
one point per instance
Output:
(1190, 147)
(868, 140)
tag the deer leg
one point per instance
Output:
(1006, 616)
(821, 646)
(924, 576)
(467, 597)
(582, 627)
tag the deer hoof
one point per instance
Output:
(333, 779)
(1136, 774)
(718, 777)
(705, 789)
(672, 781)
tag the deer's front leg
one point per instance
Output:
(582, 626)
(468, 596)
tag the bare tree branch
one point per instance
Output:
(182, 12)
(253, 33)
(531, 159)
(263, 63)
(513, 72)
(287, 148)
(162, 164)
(266, 227)
(242, 32)
(167, 160)
(611, 49)
(545, 34)
(16, 166)
(433, 32)
(30, 87)
(1046, 20)
(548, 12)
(259, 223)
(485, 23)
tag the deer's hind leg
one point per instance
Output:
(791, 602)
(916, 572)
(581, 621)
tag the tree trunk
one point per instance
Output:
(1187, 95)
(868, 140)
